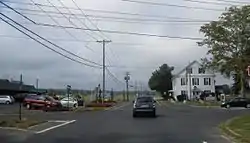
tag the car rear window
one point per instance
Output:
(144, 99)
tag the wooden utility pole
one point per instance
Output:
(127, 78)
(103, 66)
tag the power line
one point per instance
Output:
(56, 22)
(172, 5)
(124, 32)
(114, 77)
(72, 15)
(209, 2)
(69, 52)
(88, 18)
(68, 19)
(102, 11)
(118, 18)
(53, 39)
(44, 44)
(236, 2)
(110, 31)
(185, 23)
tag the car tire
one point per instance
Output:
(134, 115)
(7, 102)
(28, 106)
(248, 106)
(46, 108)
(153, 114)
(227, 106)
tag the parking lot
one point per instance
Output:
(12, 111)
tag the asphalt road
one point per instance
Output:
(173, 124)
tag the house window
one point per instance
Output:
(195, 81)
(183, 81)
(201, 71)
(207, 81)
(184, 92)
(189, 70)
(207, 91)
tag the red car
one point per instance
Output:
(40, 101)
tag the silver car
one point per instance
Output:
(69, 102)
(6, 99)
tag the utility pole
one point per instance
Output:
(103, 66)
(127, 78)
(37, 81)
(20, 102)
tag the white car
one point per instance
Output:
(69, 102)
(6, 99)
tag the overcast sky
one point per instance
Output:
(139, 54)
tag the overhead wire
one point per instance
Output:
(56, 22)
(48, 47)
(72, 14)
(67, 51)
(209, 2)
(69, 19)
(98, 17)
(172, 5)
(114, 77)
(89, 19)
(106, 31)
(105, 11)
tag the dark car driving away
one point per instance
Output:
(237, 102)
(144, 105)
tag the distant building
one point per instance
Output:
(193, 80)
(12, 88)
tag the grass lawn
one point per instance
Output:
(22, 124)
(238, 128)
(205, 103)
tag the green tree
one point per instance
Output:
(228, 44)
(161, 80)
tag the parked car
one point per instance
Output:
(237, 102)
(69, 102)
(6, 99)
(144, 104)
(40, 101)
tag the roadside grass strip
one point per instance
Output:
(237, 128)
(207, 104)
(19, 124)
(33, 126)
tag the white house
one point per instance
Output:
(193, 80)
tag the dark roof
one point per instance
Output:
(14, 86)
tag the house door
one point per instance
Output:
(196, 94)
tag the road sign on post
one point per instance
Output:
(68, 92)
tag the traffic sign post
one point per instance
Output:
(68, 92)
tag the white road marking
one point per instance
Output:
(158, 102)
(57, 126)
(204, 141)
